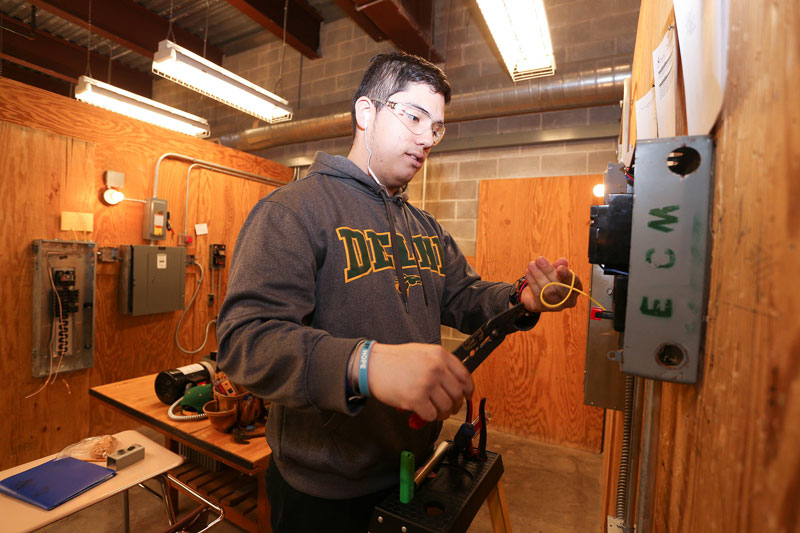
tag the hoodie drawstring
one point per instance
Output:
(401, 279)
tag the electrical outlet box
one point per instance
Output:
(217, 256)
(125, 457)
(63, 306)
(151, 279)
(108, 254)
(155, 219)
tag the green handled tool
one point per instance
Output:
(406, 477)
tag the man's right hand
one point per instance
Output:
(423, 378)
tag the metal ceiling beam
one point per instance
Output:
(361, 19)
(62, 59)
(302, 22)
(408, 23)
(31, 77)
(129, 24)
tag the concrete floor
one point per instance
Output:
(548, 489)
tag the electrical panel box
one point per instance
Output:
(63, 306)
(155, 219)
(151, 279)
(667, 289)
(653, 236)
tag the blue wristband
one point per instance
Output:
(363, 365)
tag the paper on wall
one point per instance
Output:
(646, 119)
(666, 83)
(703, 35)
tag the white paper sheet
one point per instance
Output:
(703, 38)
(646, 119)
(666, 84)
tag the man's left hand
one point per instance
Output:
(541, 272)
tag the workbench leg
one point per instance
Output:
(262, 512)
(498, 510)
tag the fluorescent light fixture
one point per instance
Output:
(519, 28)
(130, 104)
(197, 73)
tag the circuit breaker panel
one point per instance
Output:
(151, 279)
(63, 306)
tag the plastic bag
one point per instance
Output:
(90, 449)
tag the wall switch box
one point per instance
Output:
(115, 179)
(72, 221)
(217, 256)
(151, 279)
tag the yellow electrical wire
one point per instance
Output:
(571, 288)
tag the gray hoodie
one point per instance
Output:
(313, 274)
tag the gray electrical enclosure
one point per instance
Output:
(63, 306)
(670, 238)
(151, 279)
(155, 219)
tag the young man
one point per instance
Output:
(337, 291)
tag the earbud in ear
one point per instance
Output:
(366, 116)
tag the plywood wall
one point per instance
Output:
(534, 380)
(54, 153)
(729, 447)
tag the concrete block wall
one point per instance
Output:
(583, 32)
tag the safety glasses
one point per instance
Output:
(416, 120)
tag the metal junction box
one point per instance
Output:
(666, 305)
(151, 279)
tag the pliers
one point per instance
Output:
(477, 347)
(462, 442)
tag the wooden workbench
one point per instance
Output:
(239, 486)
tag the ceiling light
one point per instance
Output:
(130, 104)
(519, 28)
(189, 69)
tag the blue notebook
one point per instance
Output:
(52, 483)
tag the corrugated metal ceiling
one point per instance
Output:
(227, 28)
